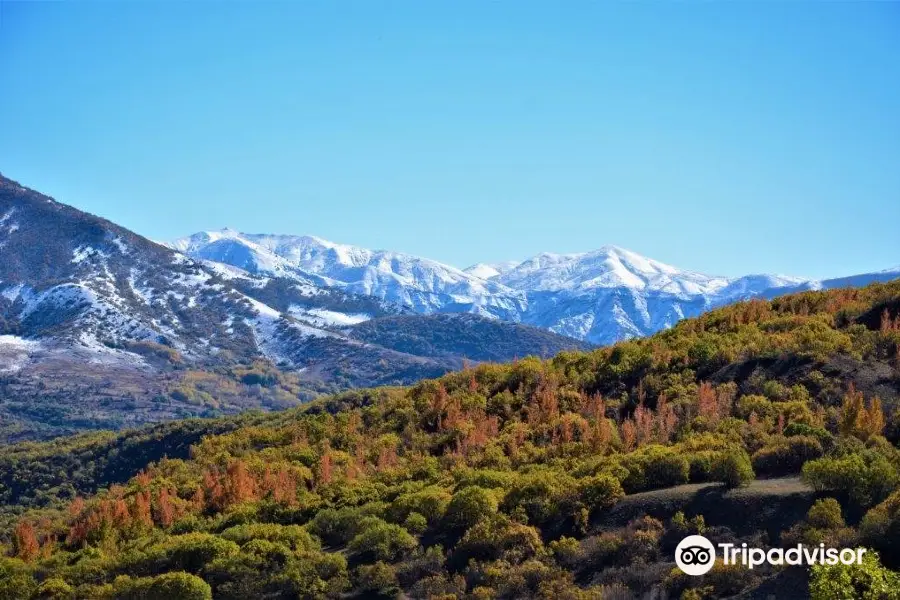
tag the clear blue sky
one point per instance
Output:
(723, 137)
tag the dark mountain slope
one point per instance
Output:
(461, 335)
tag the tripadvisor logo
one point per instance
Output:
(696, 555)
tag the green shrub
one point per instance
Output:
(265, 569)
(259, 378)
(316, 575)
(866, 581)
(653, 467)
(761, 406)
(600, 492)
(485, 478)
(785, 456)
(54, 589)
(468, 506)
(544, 495)
(430, 502)
(415, 523)
(880, 528)
(825, 438)
(169, 586)
(734, 468)
(189, 552)
(825, 514)
(294, 537)
(866, 477)
(497, 537)
(16, 580)
(567, 552)
(338, 526)
(702, 465)
(378, 581)
(379, 540)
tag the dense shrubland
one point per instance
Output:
(496, 481)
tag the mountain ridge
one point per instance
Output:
(601, 296)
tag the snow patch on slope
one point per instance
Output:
(268, 327)
(321, 317)
(15, 352)
(491, 270)
(83, 253)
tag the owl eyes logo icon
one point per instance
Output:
(695, 555)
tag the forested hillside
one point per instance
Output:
(575, 477)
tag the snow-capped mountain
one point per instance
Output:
(70, 278)
(608, 267)
(601, 296)
(612, 293)
(424, 285)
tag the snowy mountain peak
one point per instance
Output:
(606, 267)
(425, 285)
(491, 270)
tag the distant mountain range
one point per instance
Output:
(599, 297)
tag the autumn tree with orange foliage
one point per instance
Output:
(666, 420)
(25, 541)
(165, 513)
(240, 485)
(326, 466)
(629, 435)
(859, 420)
(874, 422)
(643, 424)
(544, 407)
(888, 324)
(280, 485)
(707, 403)
(141, 511)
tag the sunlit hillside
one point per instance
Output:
(575, 477)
